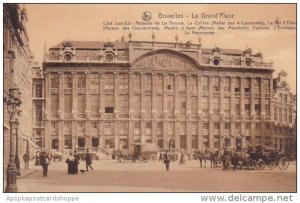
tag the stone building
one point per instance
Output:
(284, 103)
(38, 100)
(17, 75)
(106, 95)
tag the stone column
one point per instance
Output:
(177, 102)
(101, 93)
(47, 136)
(188, 137)
(242, 106)
(116, 80)
(252, 101)
(200, 135)
(87, 96)
(199, 97)
(74, 95)
(232, 103)
(165, 109)
(262, 99)
(143, 131)
(61, 95)
(177, 134)
(188, 96)
(142, 95)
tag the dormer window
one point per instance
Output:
(248, 63)
(216, 61)
(67, 57)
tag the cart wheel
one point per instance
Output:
(283, 163)
(260, 165)
(251, 164)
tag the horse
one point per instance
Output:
(205, 155)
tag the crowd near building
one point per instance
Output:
(110, 95)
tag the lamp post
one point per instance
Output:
(12, 102)
(17, 160)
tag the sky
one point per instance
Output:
(52, 23)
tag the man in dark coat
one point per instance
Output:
(167, 160)
(26, 160)
(77, 159)
(88, 160)
(45, 161)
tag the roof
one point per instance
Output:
(91, 45)
(124, 45)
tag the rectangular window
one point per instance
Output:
(137, 81)
(109, 109)
(248, 126)
(285, 117)
(81, 103)
(67, 81)
(267, 107)
(247, 107)
(109, 83)
(123, 103)
(226, 83)
(194, 105)
(159, 83)
(67, 103)
(257, 85)
(194, 141)
(226, 105)
(205, 125)
(95, 103)
(137, 103)
(95, 81)
(237, 85)
(216, 105)
(247, 85)
(205, 83)
(159, 104)
(237, 106)
(205, 105)
(182, 107)
(39, 91)
(171, 104)
(68, 142)
(266, 86)
(216, 84)
(81, 78)
(54, 80)
(290, 116)
(39, 113)
(95, 141)
(194, 84)
(123, 83)
(275, 114)
(148, 103)
(54, 143)
(183, 141)
(227, 126)
(280, 114)
(182, 83)
(257, 107)
(54, 103)
(148, 82)
(217, 126)
(170, 81)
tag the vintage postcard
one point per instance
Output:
(149, 98)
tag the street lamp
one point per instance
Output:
(12, 103)
(17, 160)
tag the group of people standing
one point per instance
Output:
(73, 162)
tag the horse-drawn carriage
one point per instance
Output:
(138, 151)
(270, 158)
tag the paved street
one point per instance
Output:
(109, 176)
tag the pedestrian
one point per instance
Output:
(88, 160)
(37, 159)
(167, 160)
(182, 159)
(45, 161)
(26, 160)
(77, 160)
(160, 157)
(71, 164)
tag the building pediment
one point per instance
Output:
(165, 60)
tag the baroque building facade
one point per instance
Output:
(104, 95)
(17, 76)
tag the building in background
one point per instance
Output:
(108, 95)
(38, 100)
(284, 125)
(17, 75)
